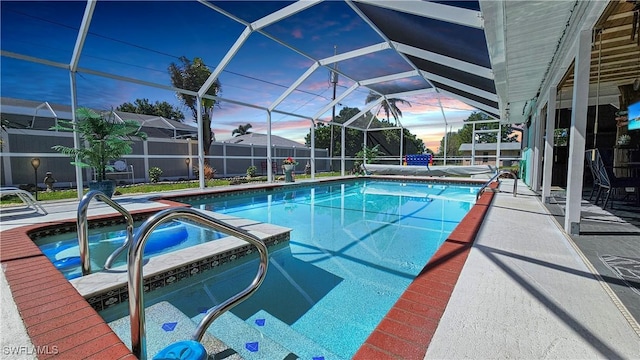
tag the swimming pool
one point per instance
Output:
(63, 251)
(354, 249)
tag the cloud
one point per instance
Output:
(297, 33)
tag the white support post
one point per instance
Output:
(401, 143)
(313, 150)
(253, 160)
(548, 145)
(577, 133)
(364, 147)
(224, 158)
(73, 68)
(145, 151)
(537, 180)
(473, 145)
(200, 140)
(499, 141)
(444, 117)
(342, 156)
(534, 152)
(269, 154)
(190, 152)
(76, 136)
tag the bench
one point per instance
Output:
(418, 160)
(120, 168)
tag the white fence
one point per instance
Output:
(19, 146)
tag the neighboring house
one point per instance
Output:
(169, 144)
(486, 153)
(36, 115)
(261, 139)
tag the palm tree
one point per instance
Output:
(388, 106)
(241, 130)
(191, 75)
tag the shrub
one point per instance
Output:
(154, 174)
(251, 171)
(209, 172)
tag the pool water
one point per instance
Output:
(354, 249)
(63, 250)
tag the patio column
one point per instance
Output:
(577, 133)
(548, 145)
(537, 152)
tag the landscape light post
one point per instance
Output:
(35, 162)
(187, 161)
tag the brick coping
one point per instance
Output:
(58, 319)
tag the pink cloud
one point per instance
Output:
(297, 33)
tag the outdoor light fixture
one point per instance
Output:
(187, 161)
(35, 162)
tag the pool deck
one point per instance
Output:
(524, 290)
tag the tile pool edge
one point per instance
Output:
(109, 288)
(262, 188)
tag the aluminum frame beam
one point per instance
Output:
(444, 60)
(460, 16)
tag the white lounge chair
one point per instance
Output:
(24, 196)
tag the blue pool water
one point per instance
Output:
(354, 249)
(63, 251)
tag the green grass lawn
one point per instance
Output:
(151, 188)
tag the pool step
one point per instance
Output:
(172, 325)
(302, 346)
(246, 340)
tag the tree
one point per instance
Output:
(465, 134)
(107, 139)
(191, 75)
(241, 130)
(143, 106)
(453, 144)
(387, 141)
(388, 106)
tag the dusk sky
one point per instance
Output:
(140, 39)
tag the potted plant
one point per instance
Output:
(287, 165)
(106, 139)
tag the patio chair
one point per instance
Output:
(24, 196)
(589, 159)
(608, 181)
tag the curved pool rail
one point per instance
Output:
(495, 177)
(136, 281)
(83, 230)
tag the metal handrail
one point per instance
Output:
(496, 176)
(135, 279)
(83, 229)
